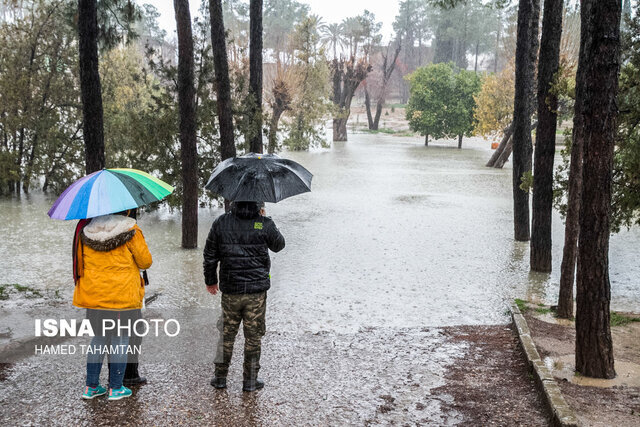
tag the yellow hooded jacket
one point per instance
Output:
(113, 253)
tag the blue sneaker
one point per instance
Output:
(119, 393)
(91, 392)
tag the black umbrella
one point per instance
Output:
(259, 178)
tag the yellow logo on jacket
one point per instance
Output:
(257, 226)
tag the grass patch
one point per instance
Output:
(543, 310)
(397, 105)
(405, 133)
(618, 319)
(522, 305)
(381, 130)
(28, 292)
(3, 292)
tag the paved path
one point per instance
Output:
(375, 376)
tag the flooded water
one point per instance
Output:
(393, 234)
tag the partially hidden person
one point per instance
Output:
(110, 251)
(239, 242)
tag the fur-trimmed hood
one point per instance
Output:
(107, 232)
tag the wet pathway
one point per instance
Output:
(395, 243)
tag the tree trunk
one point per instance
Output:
(572, 221)
(376, 119)
(273, 131)
(504, 156)
(386, 75)
(340, 129)
(223, 86)
(495, 61)
(475, 67)
(91, 91)
(600, 32)
(367, 104)
(508, 131)
(459, 142)
(188, 126)
(346, 76)
(526, 49)
(255, 74)
(542, 206)
(426, 140)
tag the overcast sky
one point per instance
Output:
(330, 10)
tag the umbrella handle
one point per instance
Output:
(145, 277)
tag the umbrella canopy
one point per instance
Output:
(108, 191)
(259, 178)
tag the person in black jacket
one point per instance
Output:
(239, 241)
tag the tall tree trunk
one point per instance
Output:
(495, 59)
(475, 67)
(273, 131)
(255, 74)
(426, 140)
(542, 206)
(367, 105)
(91, 91)
(572, 221)
(526, 49)
(459, 141)
(223, 86)
(376, 118)
(600, 32)
(386, 76)
(188, 126)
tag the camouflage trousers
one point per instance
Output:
(250, 310)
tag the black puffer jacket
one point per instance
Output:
(240, 241)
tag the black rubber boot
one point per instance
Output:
(219, 382)
(132, 376)
(252, 385)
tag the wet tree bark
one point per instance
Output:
(188, 126)
(542, 206)
(346, 76)
(507, 133)
(526, 51)
(281, 103)
(91, 91)
(223, 86)
(572, 225)
(600, 32)
(367, 105)
(255, 74)
(387, 71)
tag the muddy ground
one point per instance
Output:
(431, 376)
(595, 402)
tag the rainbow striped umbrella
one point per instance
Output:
(108, 191)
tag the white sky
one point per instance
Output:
(330, 10)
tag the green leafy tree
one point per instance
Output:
(40, 117)
(309, 103)
(625, 197)
(441, 102)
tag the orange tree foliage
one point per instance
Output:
(494, 103)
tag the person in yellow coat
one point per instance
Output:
(110, 252)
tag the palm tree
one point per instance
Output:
(332, 36)
(353, 32)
